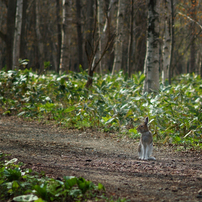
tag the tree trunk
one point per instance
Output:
(23, 40)
(101, 33)
(17, 34)
(79, 33)
(193, 33)
(65, 36)
(59, 35)
(172, 42)
(151, 65)
(130, 45)
(10, 33)
(39, 38)
(90, 77)
(118, 49)
(166, 41)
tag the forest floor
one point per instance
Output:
(102, 157)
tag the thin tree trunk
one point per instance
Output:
(166, 42)
(130, 45)
(17, 34)
(193, 32)
(118, 51)
(65, 36)
(108, 18)
(90, 21)
(107, 29)
(54, 53)
(79, 33)
(39, 38)
(23, 40)
(151, 65)
(172, 41)
(10, 33)
(59, 35)
(101, 33)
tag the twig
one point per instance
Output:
(191, 19)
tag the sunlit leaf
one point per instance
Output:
(26, 198)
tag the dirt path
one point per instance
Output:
(100, 157)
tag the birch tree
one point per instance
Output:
(17, 34)
(151, 64)
(193, 33)
(118, 47)
(166, 41)
(66, 39)
(100, 20)
(23, 39)
(130, 45)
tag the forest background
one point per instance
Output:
(67, 35)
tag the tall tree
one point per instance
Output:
(172, 41)
(118, 48)
(79, 33)
(39, 37)
(151, 65)
(9, 36)
(66, 33)
(101, 33)
(193, 33)
(23, 40)
(130, 45)
(17, 34)
(166, 40)
(59, 35)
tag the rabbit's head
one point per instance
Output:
(144, 126)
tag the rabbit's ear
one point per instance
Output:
(146, 120)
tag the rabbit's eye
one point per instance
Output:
(141, 126)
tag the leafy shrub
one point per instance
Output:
(114, 103)
(26, 185)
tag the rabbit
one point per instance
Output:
(146, 141)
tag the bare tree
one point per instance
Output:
(92, 50)
(59, 34)
(101, 32)
(9, 36)
(79, 33)
(166, 40)
(17, 34)
(193, 33)
(65, 39)
(172, 41)
(118, 48)
(39, 36)
(23, 40)
(151, 65)
(130, 45)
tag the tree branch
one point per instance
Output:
(108, 44)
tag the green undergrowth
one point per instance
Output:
(18, 184)
(114, 103)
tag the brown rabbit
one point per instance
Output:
(146, 141)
